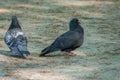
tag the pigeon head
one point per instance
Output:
(14, 18)
(74, 23)
(14, 23)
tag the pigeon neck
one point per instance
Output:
(77, 28)
(15, 24)
(74, 26)
(80, 30)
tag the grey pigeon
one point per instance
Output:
(68, 41)
(16, 40)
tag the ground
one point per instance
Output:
(43, 20)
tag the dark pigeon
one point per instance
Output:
(68, 41)
(15, 39)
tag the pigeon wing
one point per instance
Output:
(66, 40)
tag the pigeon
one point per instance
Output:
(16, 40)
(68, 41)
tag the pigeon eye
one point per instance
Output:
(76, 21)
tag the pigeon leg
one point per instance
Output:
(70, 54)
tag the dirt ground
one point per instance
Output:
(43, 20)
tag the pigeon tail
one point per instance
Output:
(45, 51)
(48, 50)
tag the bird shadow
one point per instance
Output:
(4, 52)
(57, 55)
(8, 53)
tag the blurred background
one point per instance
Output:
(43, 20)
